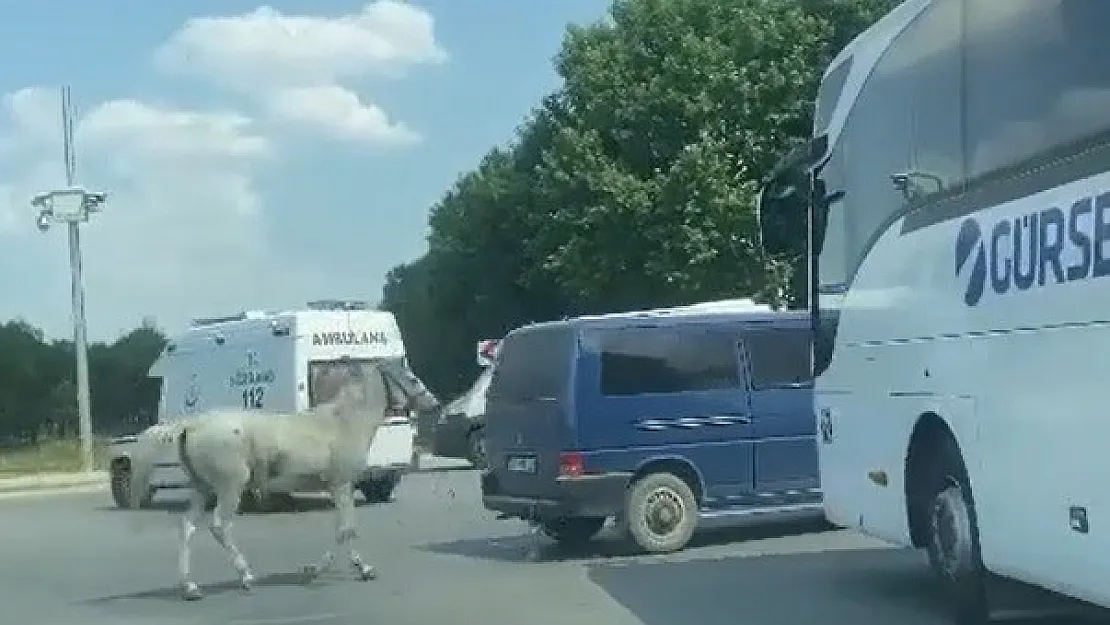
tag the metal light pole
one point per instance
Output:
(72, 206)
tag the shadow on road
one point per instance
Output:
(851, 587)
(524, 548)
(880, 586)
(231, 586)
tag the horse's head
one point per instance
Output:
(397, 375)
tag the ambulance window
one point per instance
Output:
(326, 377)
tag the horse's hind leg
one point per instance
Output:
(192, 518)
(222, 519)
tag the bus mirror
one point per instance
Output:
(782, 206)
(780, 210)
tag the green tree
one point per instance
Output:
(38, 391)
(633, 184)
(673, 112)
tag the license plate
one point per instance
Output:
(522, 464)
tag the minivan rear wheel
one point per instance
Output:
(661, 513)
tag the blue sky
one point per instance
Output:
(255, 156)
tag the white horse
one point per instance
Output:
(225, 452)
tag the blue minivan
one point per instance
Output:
(654, 418)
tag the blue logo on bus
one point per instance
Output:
(968, 242)
(1035, 249)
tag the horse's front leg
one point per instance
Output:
(344, 498)
(327, 561)
(345, 532)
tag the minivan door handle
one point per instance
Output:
(729, 418)
(689, 423)
(653, 425)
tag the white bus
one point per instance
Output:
(958, 194)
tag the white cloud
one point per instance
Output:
(296, 65)
(268, 47)
(142, 130)
(183, 231)
(340, 113)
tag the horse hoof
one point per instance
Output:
(247, 582)
(310, 572)
(191, 592)
(367, 573)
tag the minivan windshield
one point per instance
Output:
(533, 364)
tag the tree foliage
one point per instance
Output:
(633, 184)
(38, 390)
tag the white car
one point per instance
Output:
(459, 431)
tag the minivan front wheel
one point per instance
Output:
(661, 513)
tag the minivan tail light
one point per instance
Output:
(571, 464)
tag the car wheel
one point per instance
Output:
(378, 490)
(573, 531)
(952, 543)
(252, 500)
(476, 444)
(121, 484)
(661, 513)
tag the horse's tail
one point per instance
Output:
(187, 463)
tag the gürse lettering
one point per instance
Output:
(1036, 249)
(348, 338)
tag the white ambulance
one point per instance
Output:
(271, 361)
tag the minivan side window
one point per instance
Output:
(641, 360)
(778, 358)
(533, 364)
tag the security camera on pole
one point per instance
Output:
(72, 206)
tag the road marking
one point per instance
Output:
(286, 620)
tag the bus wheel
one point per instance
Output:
(953, 540)
(661, 513)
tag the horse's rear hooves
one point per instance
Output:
(367, 573)
(192, 593)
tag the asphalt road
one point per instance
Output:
(441, 559)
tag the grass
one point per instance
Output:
(60, 455)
